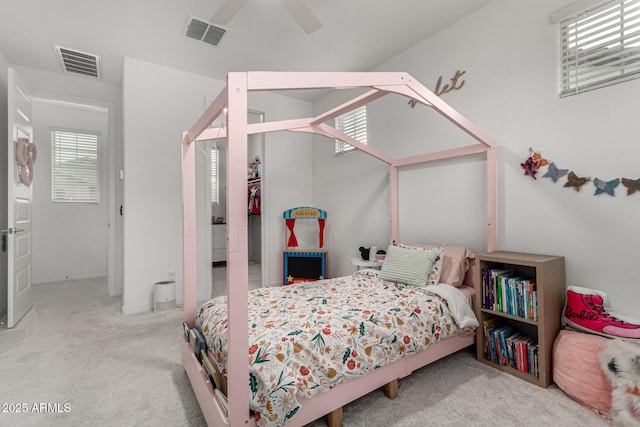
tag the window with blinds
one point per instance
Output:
(75, 167)
(600, 45)
(353, 124)
(215, 198)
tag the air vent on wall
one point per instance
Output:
(75, 61)
(201, 30)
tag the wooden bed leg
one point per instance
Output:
(334, 418)
(391, 389)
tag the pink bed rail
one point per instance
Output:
(234, 99)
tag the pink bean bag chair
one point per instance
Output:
(578, 372)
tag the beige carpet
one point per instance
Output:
(91, 366)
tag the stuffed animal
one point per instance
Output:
(620, 361)
(364, 253)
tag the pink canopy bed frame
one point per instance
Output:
(233, 100)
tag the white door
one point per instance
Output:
(20, 196)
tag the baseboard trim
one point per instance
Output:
(136, 308)
(66, 277)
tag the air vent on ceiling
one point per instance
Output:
(75, 61)
(201, 30)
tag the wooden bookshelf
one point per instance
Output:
(549, 275)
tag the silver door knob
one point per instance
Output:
(13, 230)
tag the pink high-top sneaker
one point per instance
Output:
(588, 310)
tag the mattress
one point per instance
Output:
(308, 337)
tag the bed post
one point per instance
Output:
(393, 200)
(237, 249)
(189, 219)
(491, 199)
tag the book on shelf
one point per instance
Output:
(503, 334)
(506, 284)
(202, 342)
(512, 349)
(192, 339)
(493, 287)
(506, 347)
(198, 343)
(211, 370)
(187, 331)
(500, 357)
(525, 354)
(224, 403)
(529, 287)
(520, 351)
(488, 325)
(509, 293)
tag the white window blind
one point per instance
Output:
(215, 198)
(600, 46)
(354, 124)
(75, 167)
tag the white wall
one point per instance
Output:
(69, 239)
(160, 103)
(287, 175)
(4, 135)
(353, 189)
(509, 51)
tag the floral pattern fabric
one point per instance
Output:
(308, 337)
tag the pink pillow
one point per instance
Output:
(577, 370)
(456, 261)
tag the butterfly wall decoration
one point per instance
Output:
(535, 161)
(541, 162)
(554, 172)
(632, 185)
(576, 182)
(605, 187)
(530, 167)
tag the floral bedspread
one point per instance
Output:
(306, 338)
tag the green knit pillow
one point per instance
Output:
(408, 266)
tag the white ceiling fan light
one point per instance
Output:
(298, 9)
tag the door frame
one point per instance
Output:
(4, 196)
(264, 266)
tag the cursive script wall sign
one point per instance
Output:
(454, 84)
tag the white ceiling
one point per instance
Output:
(357, 35)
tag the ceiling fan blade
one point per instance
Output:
(303, 15)
(227, 11)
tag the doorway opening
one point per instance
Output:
(215, 188)
(74, 191)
